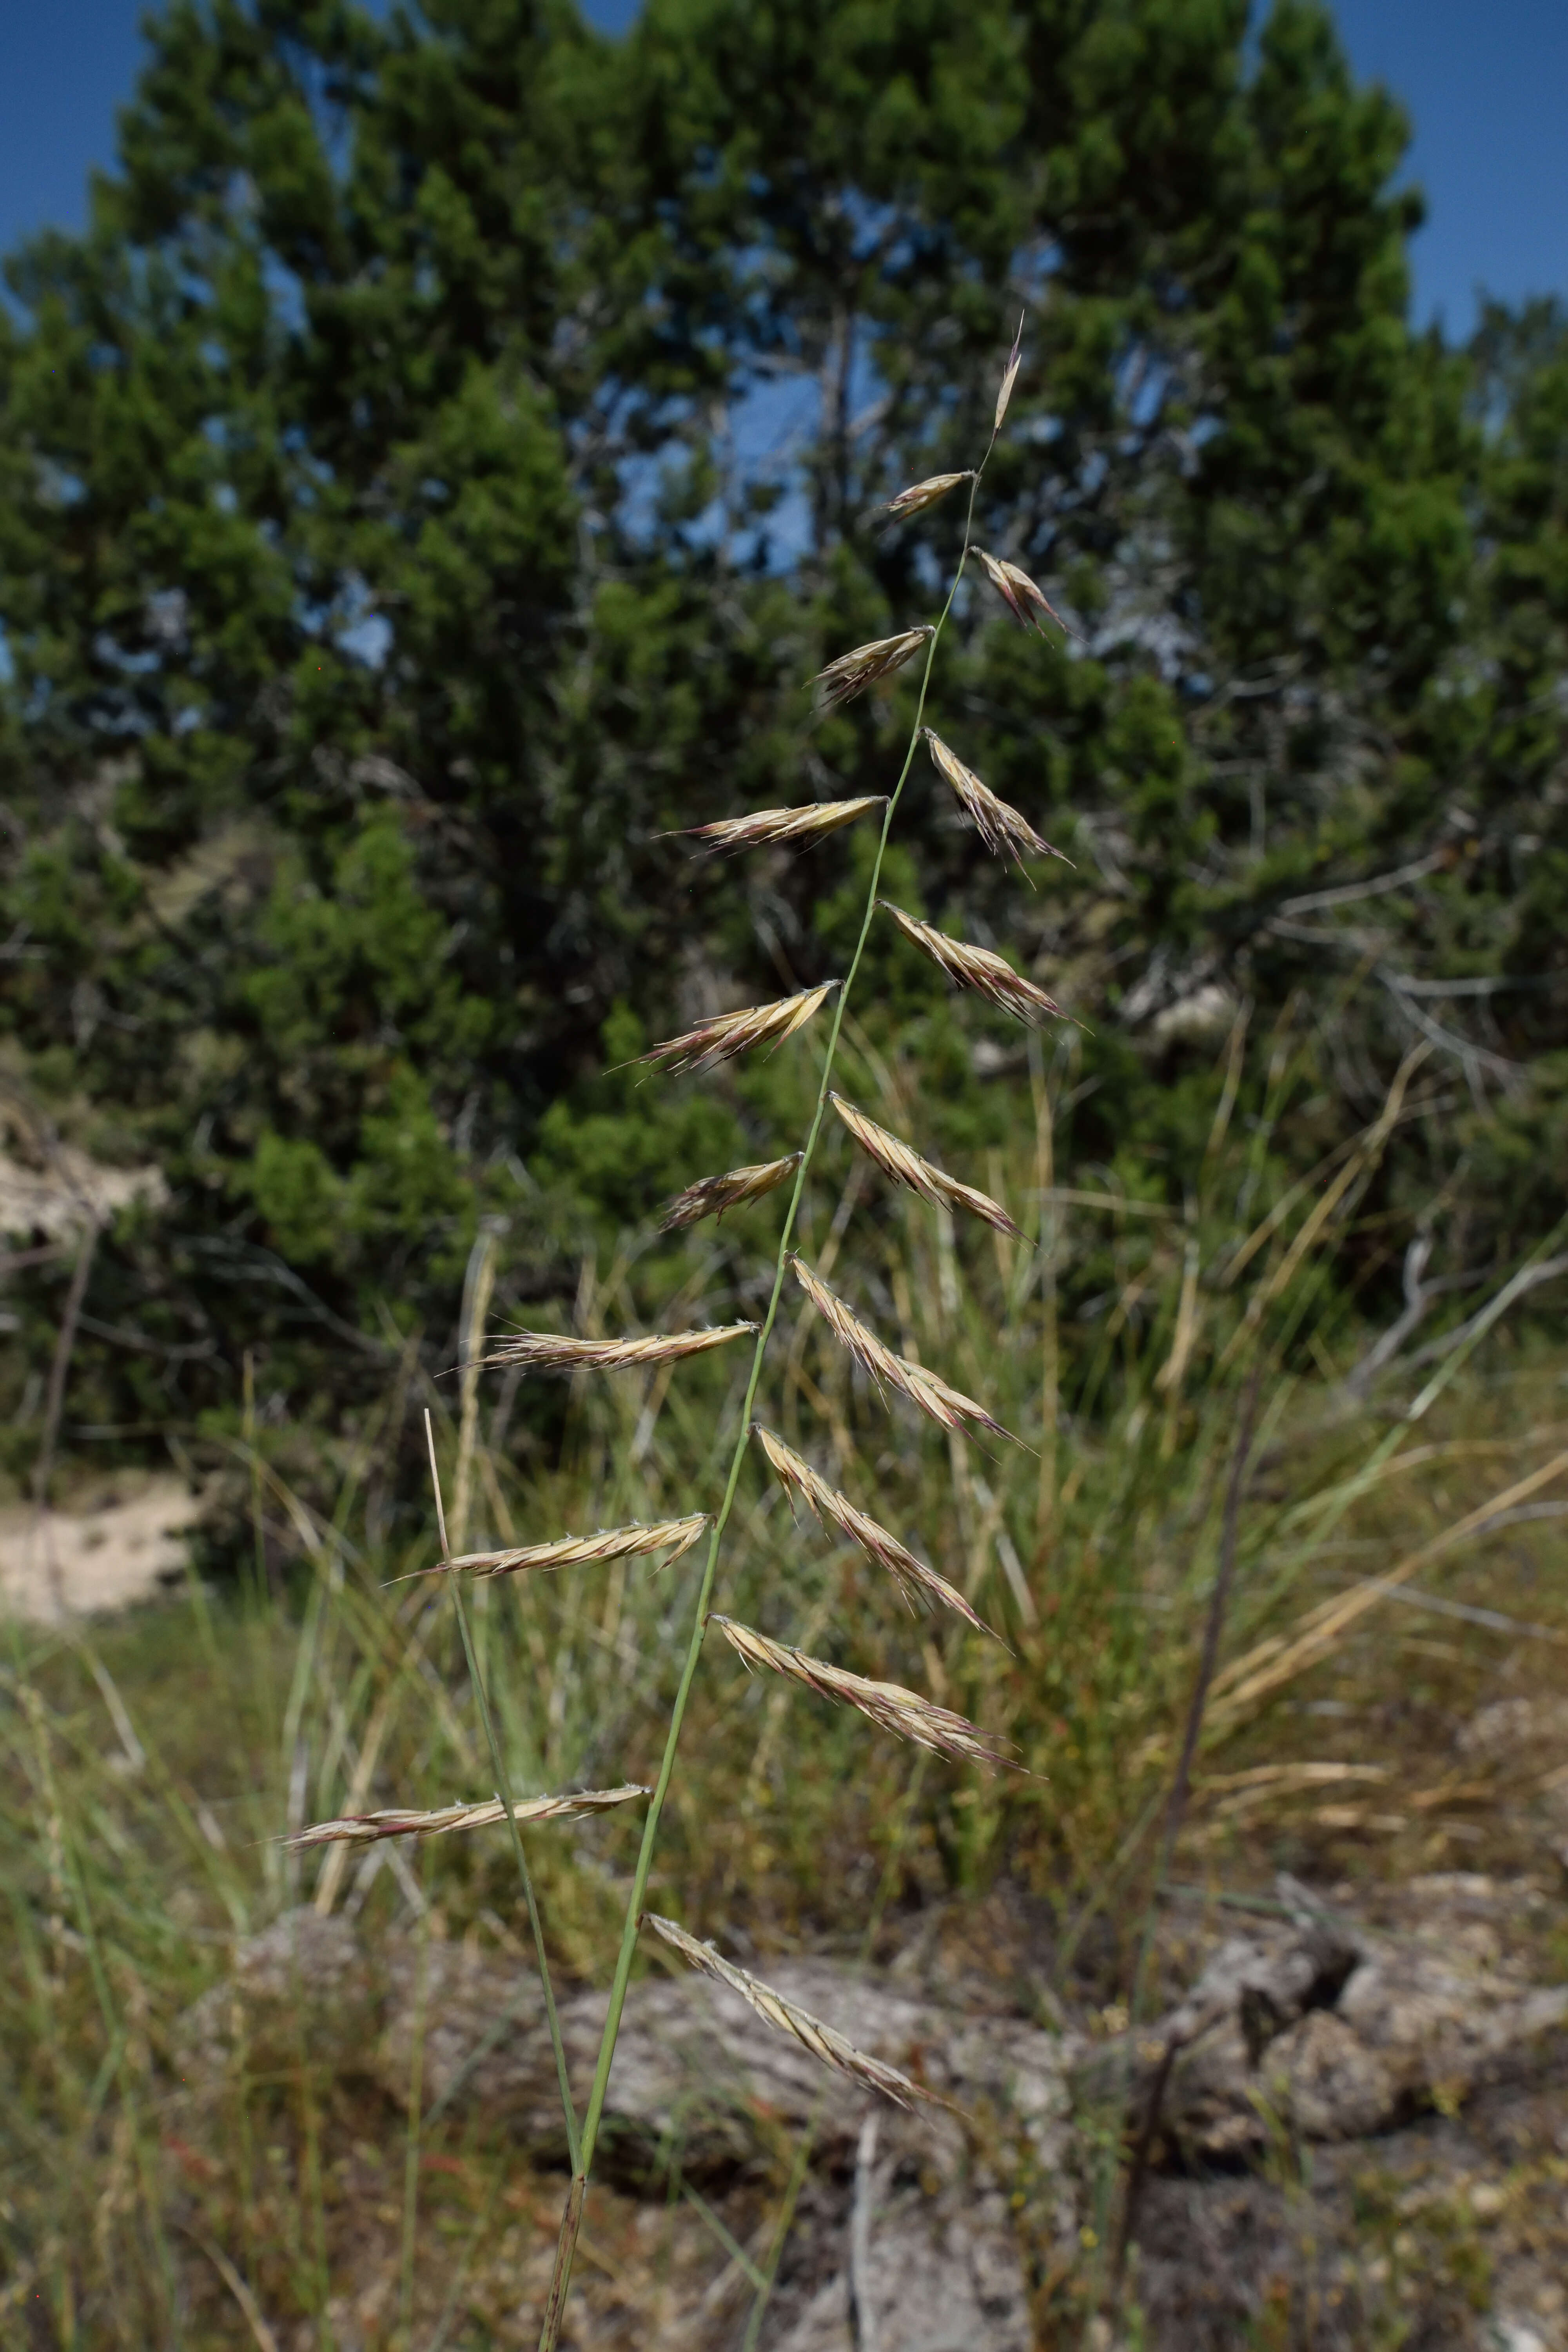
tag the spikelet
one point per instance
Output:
(544, 1352)
(977, 968)
(822, 2040)
(906, 1167)
(712, 1195)
(363, 1829)
(577, 1551)
(947, 1406)
(1011, 377)
(920, 495)
(808, 823)
(1016, 588)
(887, 1705)
(729, 1034)
(1004, 832)
(914, 1579)
(852, 673)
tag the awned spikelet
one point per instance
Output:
(947, 1406)
(712, 1195)
(905, 1166)
(729, 1035)
(822, 2040)
(852, 673)
(676, 1536)
(978, 967)
(1016, 590)
(1004, 830)
(363, 1829)
(542, 1351)
(1011, 377)
(887, 1704)
(920, 495)
(808, 823)
(913, 1578)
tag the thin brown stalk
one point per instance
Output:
(365, 1829)
(765, 827)
(577, 1551)
(1005, 832)
(913, 1578)
(905, 1713)
(852, 673)
(977, 968)
(544, 1351)
(944, 1404)
(905, 1166)
(729, 1035)
(824, 2042)
(711, 1196)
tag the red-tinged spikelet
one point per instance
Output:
(914, 1579)
(1004, 832)
(852, 673)
(824, 2042)
(978, 967)
(676, 1536)
(363, 1829)
(948, 1406)
(764, 827)
(1011, 376)
(712, 1195)
(905, 1166)
(887, 1705)
(1016, 590)
(544, 1351)
(920, 495)
(729, 1035)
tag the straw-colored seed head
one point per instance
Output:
(676, 1536)
(887, 1705)
(729, 1035)
(914, 1579)
(977, 968)
(712, 1195)
(823, 2040)
(1011, 377)
(544, 1352)
(948, 1406)
(905, 1166)
(808, 823)
(1016, 590)
(920, 495)
(852, 673)
(363, 1829)
(1004, 830)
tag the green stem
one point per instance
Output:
(572, 2218)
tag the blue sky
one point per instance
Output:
(1485, 80)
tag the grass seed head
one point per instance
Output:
(948, 1406)
(852, 673)
(978, 967)
(363, 1829)
(676, 1536)
(920, 495)
(810, 822)
(905, 1166)
(544, 1351)
(1011, 376)
(1016, 588)
(729, 1035)
(914, 1579)
(1004, 830)
(887, 1705)
(712, 1195)
(788, 2017)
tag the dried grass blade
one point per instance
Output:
(762, 827)
(978, 967)
(887, 1705)
(948, 1406)
(822, 2040)
(915, 1580)
(363, 1829)
(729, 1034)
(1005, 832)
(921, 495)
(577, 1551)
(712, 1195)
(544, 1351)
(853, 672)
(905, 1166)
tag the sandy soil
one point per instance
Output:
(120, 1547)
